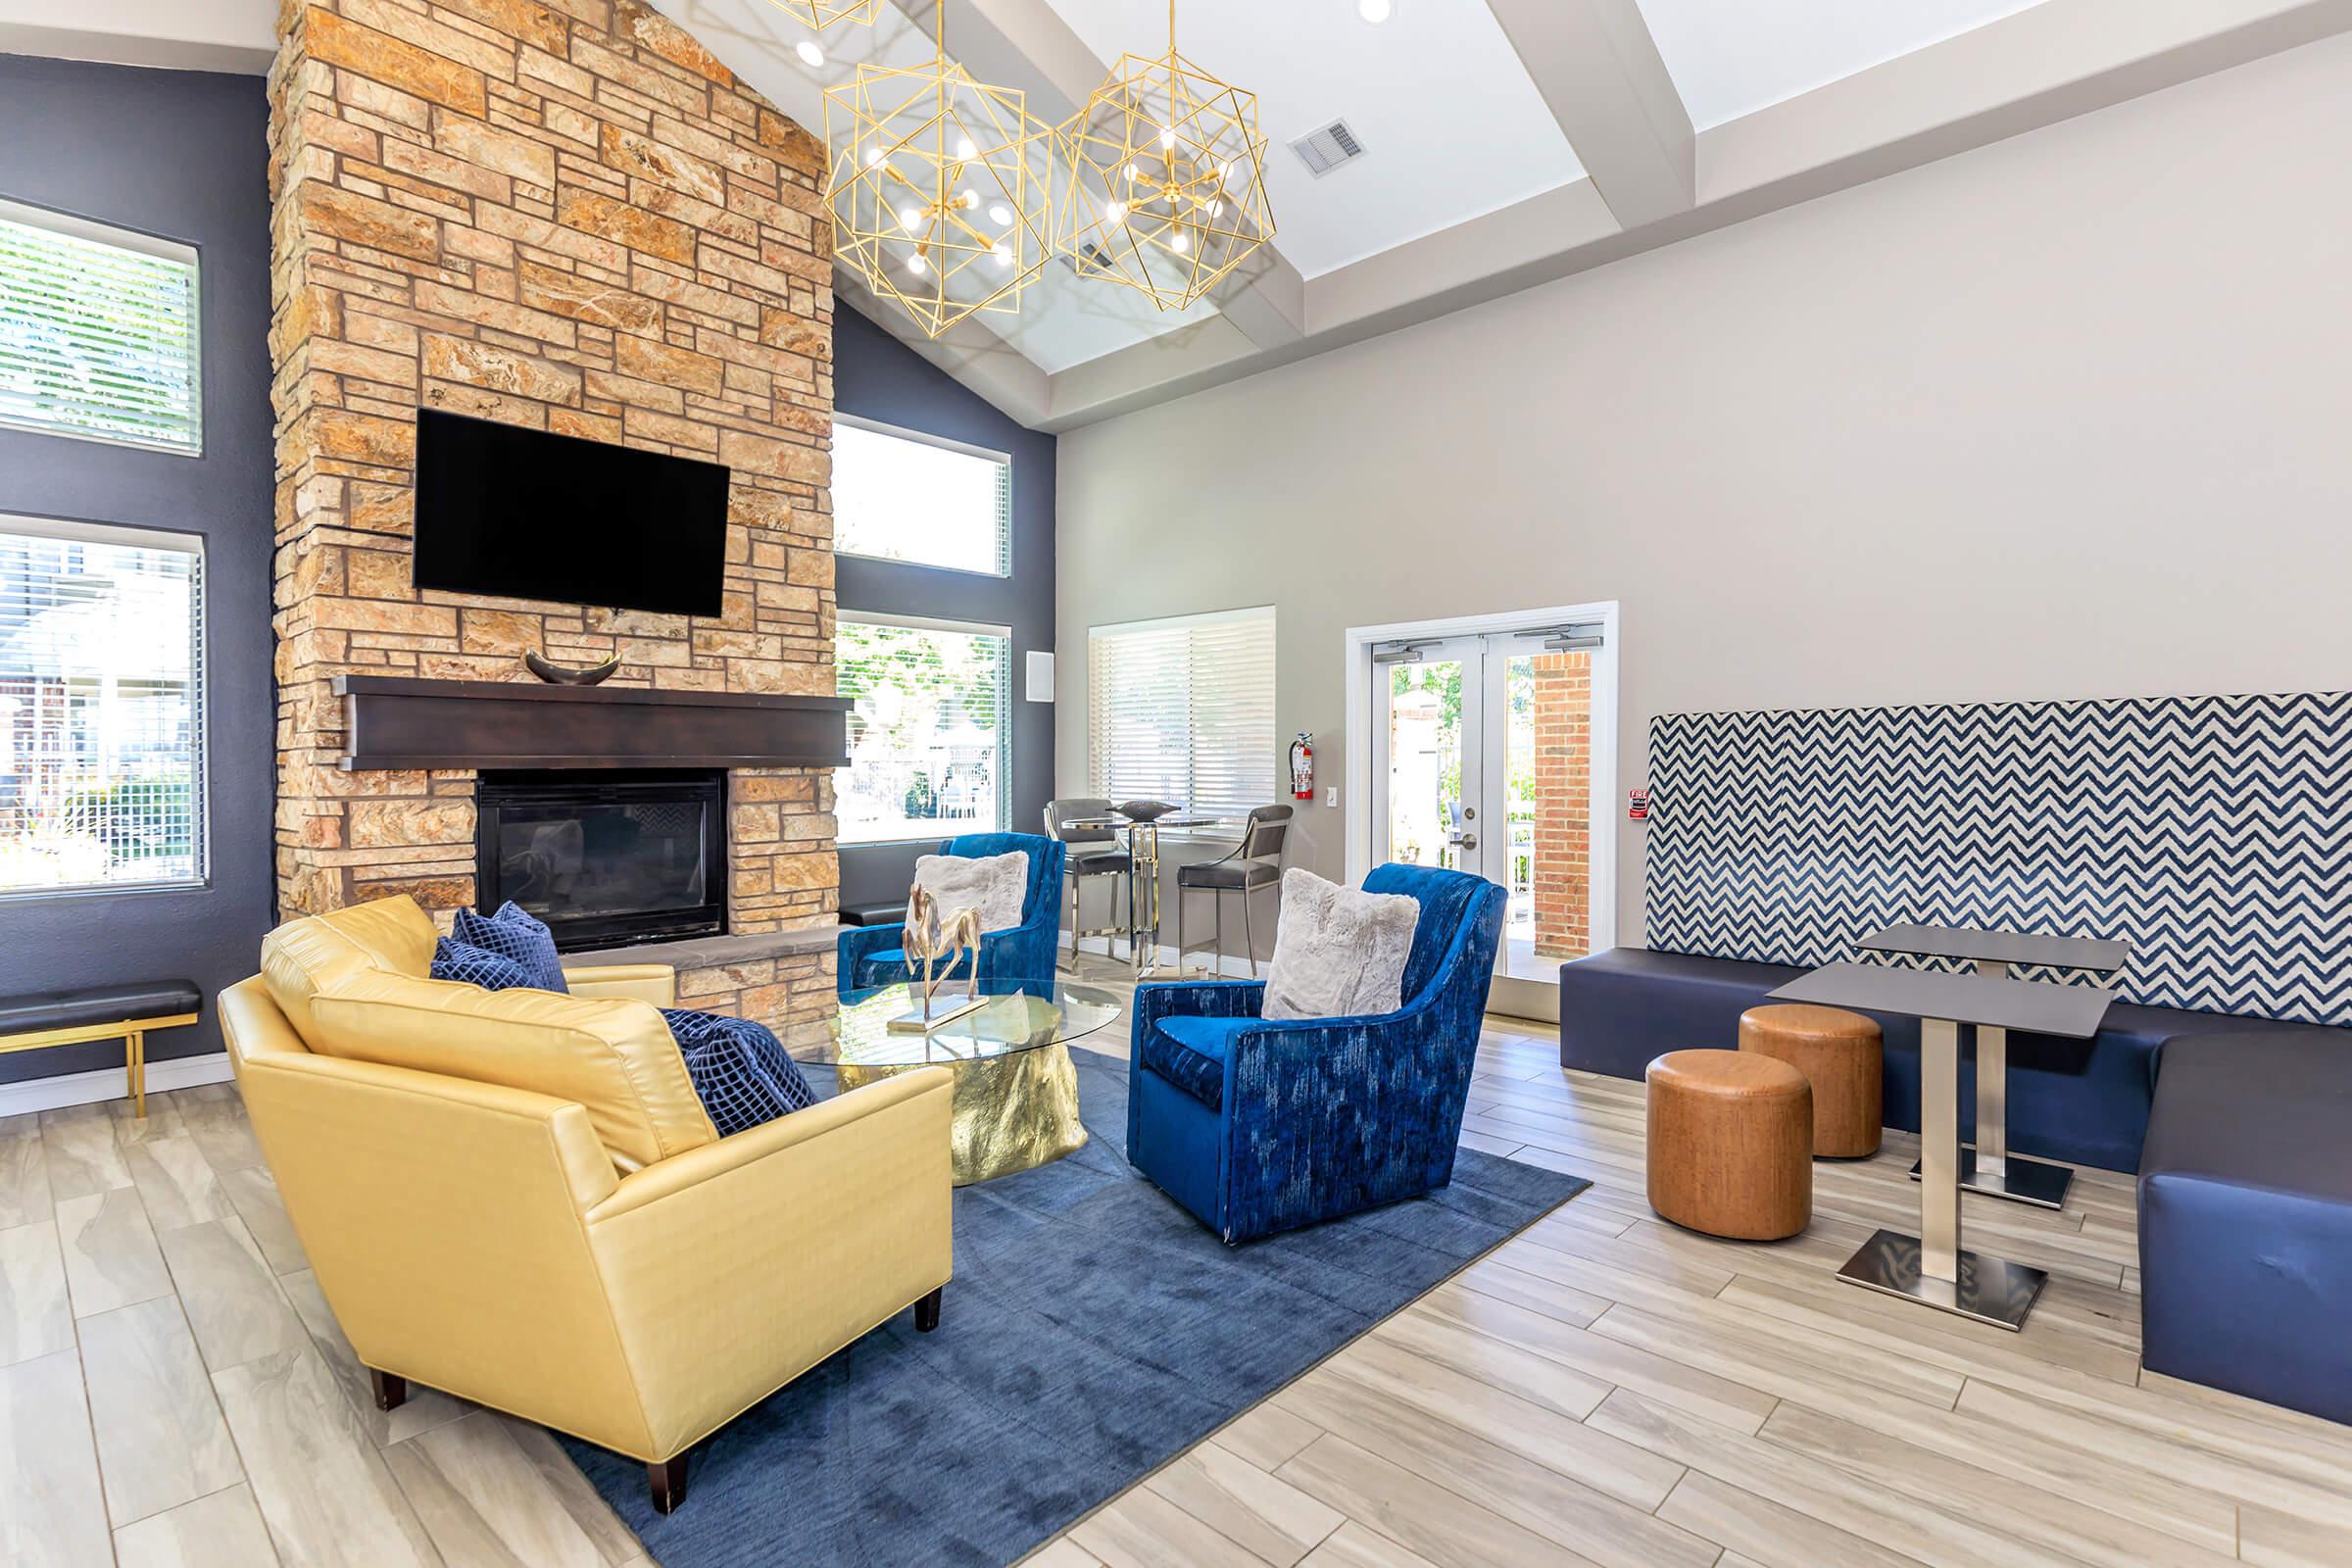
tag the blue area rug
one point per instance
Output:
(1093, 1330)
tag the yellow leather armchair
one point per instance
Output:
(480, 1238)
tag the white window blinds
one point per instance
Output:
(900, 496)
(928, 707)
(97, 332)
(100, 707)
(1182, 710)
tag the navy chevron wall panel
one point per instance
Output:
(2215, 833)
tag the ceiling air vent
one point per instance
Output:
(1325, 150)
(1098, 259)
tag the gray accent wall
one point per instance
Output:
(877, 378)
(181, 155)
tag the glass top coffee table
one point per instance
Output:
(1016, 1092)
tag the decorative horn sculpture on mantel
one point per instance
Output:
(569, 674)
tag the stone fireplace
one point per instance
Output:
(568, 216)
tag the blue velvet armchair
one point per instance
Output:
(1259, 1127)
(871, 956)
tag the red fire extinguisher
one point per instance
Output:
(1302, 766)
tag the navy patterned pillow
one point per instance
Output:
(478, 966)
(741, 1072)
(515, 933)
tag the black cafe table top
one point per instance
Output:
(2071, 1012)
(2001, 947)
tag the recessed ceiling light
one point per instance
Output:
(1374, 10)
(811, 55)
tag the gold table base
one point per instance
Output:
(1013, 1113)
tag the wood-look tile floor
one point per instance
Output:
(175, 1392)
(1602, 1390)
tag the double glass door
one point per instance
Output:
(1484, 762)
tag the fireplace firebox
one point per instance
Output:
(606, 858)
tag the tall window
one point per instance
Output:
(1182, 710)
(928, 715)
(899, 496)
(100, 707)
(97, 332)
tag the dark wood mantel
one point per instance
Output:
(398, 722)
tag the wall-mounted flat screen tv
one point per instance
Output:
(520, 513)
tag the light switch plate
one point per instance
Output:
(1331, 797)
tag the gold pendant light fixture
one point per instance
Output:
(941, 191)
(819, 14)
(1166, 190)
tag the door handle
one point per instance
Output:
(1468, 841)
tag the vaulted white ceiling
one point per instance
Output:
(1734, 57)
(1060, 323)
(1509, 143)
(1452, 125)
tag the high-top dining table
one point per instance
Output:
(1142, 879)
(1933, 1267)
(1989, 1167)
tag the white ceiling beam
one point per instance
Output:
(2071, 57)
(1001, 39)
(1489, 256)
(231, 35)
(1604, 81)
(1203, 353)
(1479, 259)
(2049, 62)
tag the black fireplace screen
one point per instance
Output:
(605, 859)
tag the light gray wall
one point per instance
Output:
(2068, 416)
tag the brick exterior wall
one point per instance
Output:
(1563, 872)
(566, 216)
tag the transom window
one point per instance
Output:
(1182, 711)
(101, 707)
(919, 499)
(98, 334)
(928, 710)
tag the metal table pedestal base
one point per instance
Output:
(2021, 1180)
(1989, 1289)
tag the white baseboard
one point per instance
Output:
(91, 1087)
(1230, 965)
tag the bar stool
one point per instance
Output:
(1093, 852)
(1253, 863)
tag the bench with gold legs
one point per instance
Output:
(101, 1013)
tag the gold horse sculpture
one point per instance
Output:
(927, 939)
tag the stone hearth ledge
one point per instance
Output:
(783, 979)
(715, 953)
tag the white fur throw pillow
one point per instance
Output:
(996, 885)
(1338, 953)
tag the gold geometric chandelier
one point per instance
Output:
(822, 14)
(941, 187)
(1166, 190)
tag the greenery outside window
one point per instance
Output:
(101, 707)
(98, 332)
(929, 705)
